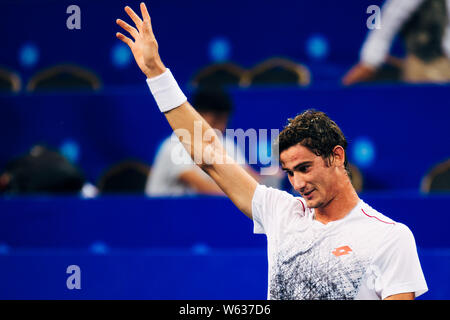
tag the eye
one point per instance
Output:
(289, 173)
(303, 169)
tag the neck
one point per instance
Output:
(339, 206)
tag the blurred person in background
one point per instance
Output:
(174, 173)
(424, 26)
(41, 171)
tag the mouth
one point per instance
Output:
(308, 194)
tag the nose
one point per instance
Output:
(298, 182)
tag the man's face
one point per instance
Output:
(310, 176)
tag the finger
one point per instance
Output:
(127, 40)
(144, 12)
(137, 21)
(146, 17)
(128, 28)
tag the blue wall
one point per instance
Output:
(140, 222)
(142, 248)
(164, 274)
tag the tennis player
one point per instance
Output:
(326, 244)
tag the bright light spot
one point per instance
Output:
(28, 55)
(89, 191)
(70, 150)
(120, 55)
(99, 248)
(200, 249)
(219, 49)
(4, 249)
(317, 47)
(363, 152)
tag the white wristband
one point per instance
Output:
(166, 91)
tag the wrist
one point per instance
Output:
(154, 69)
(166, 91)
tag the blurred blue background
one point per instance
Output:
(198, 247)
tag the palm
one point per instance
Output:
(142, 52)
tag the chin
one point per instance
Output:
(313, 203)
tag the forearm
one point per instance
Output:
(197, 136)
(236, 183)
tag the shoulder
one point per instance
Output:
(274, 210)
(172, 152)
(164, 149)
(263, 191)
(394, 232)
(168, 144)
(372, 216)
(275, 199)
(401, 234)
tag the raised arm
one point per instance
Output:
(199, 139)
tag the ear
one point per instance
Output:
(339, 156)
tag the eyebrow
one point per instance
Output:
(298, 166)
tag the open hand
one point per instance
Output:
(144, 47)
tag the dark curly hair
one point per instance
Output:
(314, 130)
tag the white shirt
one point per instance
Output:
(364, 255)
(172, 160)
(393, 15)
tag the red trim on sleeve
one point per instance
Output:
(376, 218)
(304, 209)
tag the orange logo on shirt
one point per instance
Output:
(341, 251)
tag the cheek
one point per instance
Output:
(328, 182)
(321, 181)
(291, 181)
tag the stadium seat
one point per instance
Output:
(124, 177)
(277, 71)
(438, 179)
(64, 77)
(9, 81)
(219, 75)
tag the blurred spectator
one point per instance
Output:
(438, 179)
(425, 28)
(41, 171)
(126, 177)
(183, 176)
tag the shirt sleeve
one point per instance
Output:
(399, 265)
(272, 207)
